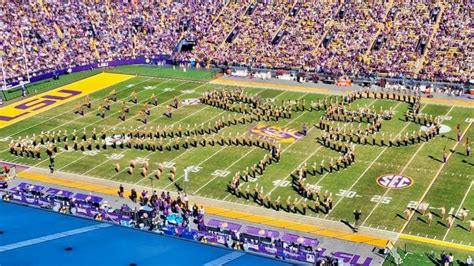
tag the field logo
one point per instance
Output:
(36, 104)
(190, 101)
(284, 135)
(443, 129)
(117, 139)
(394, 181)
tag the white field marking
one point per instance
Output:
(51, 237)
(180, 155)
(214, 178)
(381, 164)
(124, 122)
(401, 172)
(125, 150)
(115, 126)
(305, 160)
(174, 79)
(77, 118)
(220, 113)
(224, 147)
(112, 114)
(433, 180)
(370, 166)
(207, 159)
(293, 120)
(460, 206)
(326, 174)
(225, 259)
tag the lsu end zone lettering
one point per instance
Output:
(32, 106)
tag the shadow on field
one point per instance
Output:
(442, 224)
(421, 220)
(462, 227)
(471, 164)
(436, 159)
(432, 258)
(400, 216)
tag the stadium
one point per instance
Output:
(236, 132)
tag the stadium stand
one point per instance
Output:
(422, 39)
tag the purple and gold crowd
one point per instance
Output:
(427, 39)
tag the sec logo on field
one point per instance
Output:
(394, 181)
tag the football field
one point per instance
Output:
(382, 182)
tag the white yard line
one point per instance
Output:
(183, 153)
(291, 143)
(305, 160)
(228, 167)
(401, 172)
(79, 117)
(326, 174)
(120, 123)
(369, 167)
(224, 147)
(460, 206)
(179, 156)
(434, 179)
(124, 151)
(112, 114)
(207, 159)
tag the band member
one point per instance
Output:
(445, 155)
(169, 112)
(133, 96)
(154, 100)
(79, 109)
(113, 95)
(468, 147)
(101, 111)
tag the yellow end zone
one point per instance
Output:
(32, 106)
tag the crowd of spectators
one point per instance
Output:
(422, 39)
(452, 55)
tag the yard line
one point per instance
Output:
(42, 122)
(224, 147)
(207, 159)
(434, 179)
(326, 174)
(288, 145)
(305, 160)
(116, 125)
(93, 123)
(124, 151)
(460, 206)
(401, 172)
(179, 156)
(370, 166)
(212, 179)
(220, 113)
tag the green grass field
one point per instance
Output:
(441, 185)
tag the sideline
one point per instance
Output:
(223, 212)
(437, 242)
(311, 89)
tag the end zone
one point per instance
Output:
(32, 106)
